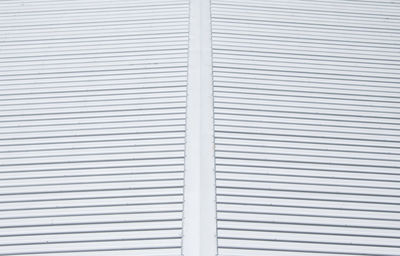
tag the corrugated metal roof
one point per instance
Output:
(307, 127)
(93, 127)
(92, 108)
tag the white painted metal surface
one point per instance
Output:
(92, 126)
(307, 110)
(199, 233)
(95, 137)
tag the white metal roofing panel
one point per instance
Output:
(92, 126)
(307, 97)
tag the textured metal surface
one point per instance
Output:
(92, 126)
(307, 125)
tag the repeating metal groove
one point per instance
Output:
(92, 126)
(307, 127)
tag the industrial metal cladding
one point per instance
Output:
(92, 126)
(307, 108)
(306, 127)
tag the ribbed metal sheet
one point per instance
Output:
(307, 126)
(92, 126)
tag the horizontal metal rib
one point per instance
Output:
(306, 109)
(93, 105)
